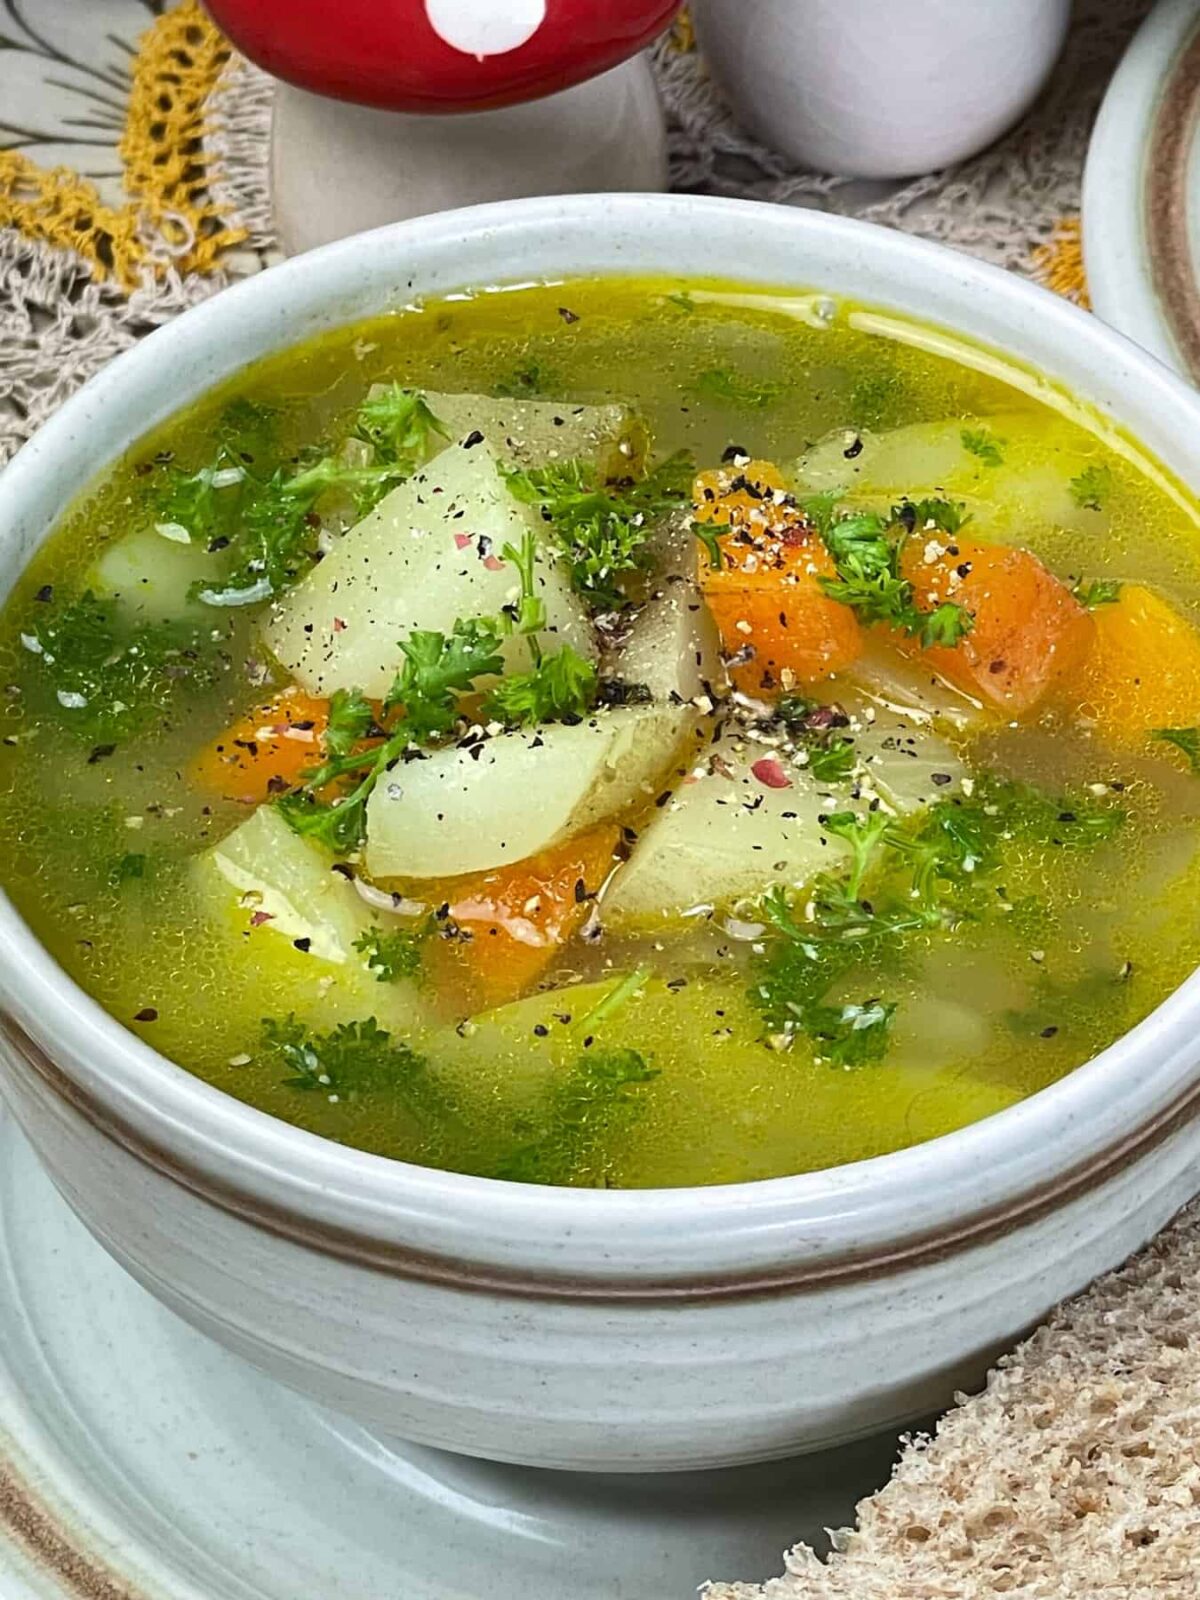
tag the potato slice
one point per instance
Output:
(909, 767)
(150, 575)
(1029, 488)
(732, 833)
(904, 686)
(673, 647)
(467, 809)
(288, 883)
(427, 554)
(535, 433)
(290, 924)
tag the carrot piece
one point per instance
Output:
(1143, 671)
(518, 918)
(1030, 632)
(265, 751)
(776, 622)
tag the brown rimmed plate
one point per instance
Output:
(1141, 191)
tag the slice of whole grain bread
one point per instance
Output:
(1075, 1475)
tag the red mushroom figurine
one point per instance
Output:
(547, 96)
(440, 55)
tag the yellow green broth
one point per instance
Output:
(986, 1015)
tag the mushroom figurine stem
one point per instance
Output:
(392, 108)
(337, 168)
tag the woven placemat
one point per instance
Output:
(134, 183)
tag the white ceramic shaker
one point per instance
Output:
(879, 88)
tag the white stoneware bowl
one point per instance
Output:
(593, 1329)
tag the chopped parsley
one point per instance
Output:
(850, 1035)
(595, 1102)
(395, 954)
(602, 528)
(128, 868)
(424, 704)
(731, 389)
(438, 669)
(1099, 592)
(561, 688)
(945, 516)
(262, 518)
(351, 718)
(109, 679)
(866, 551)
(528, 614)
(1091, 489)
(832, 758)
(1185, 739)
(926, 878)
(354, 1060)
(524, 383)
(398, 424)
(878, 398)
(983, 444)
(709, 535)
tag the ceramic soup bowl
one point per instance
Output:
(598, 1329)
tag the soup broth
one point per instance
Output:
(622, 733)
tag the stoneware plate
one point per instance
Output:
(140, 1461)
(1141, 191)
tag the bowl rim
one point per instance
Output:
(886, 1213)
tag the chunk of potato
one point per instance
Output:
(290, 920)
(906, 686)
(732, 833)
(535, 433)
(469, 809)
(1029, 488)
(430, 552)
(151, 575)
(673, 647)
(286, 885)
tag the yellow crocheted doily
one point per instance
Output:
(168, 219)
(1058, 264)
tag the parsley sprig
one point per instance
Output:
(438, 669)
(1091, 488)
(984, 444)
(1097, 592)
(396, 953)
(1186, 740)
(264, 516)
(560, 688)
(424, 704)
(108, 680)
(602, 528)
(927, 878)
(730, 388)
(596, 1099)
(866, 550)
(353, 1061)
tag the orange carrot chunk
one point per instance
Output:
(1143, 671)
(1030, 634)
(266, 750)
(779, 629)
(517, 917)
